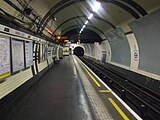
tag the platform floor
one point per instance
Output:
(59, 95)
(70, 91)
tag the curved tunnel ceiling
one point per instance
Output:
(107, 22)
(77, 10)
(61, 5)
(78, 27)
(113, 14)
(88, 35)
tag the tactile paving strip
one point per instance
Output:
(100, 111)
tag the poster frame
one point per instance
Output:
(21, 40)
(25, 64)
(9, 38)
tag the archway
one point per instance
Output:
(79, 51)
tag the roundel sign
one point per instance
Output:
(136, 55)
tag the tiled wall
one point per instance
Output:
(42, 65)
(14, 81)
(50, 60)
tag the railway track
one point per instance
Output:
(144, 102)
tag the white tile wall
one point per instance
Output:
(13, 82)
(42, 65)
(50, 60)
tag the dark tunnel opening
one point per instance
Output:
(78, 51)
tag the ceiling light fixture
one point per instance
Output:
(59, 37)
(90, 16)
(96, 6)
(84, 26)
(81, 30)
(86, 22)
(54, 18)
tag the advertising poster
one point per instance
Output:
(50, 50)
(40, 53)
(4, 57)
(29, 53)
(45, 52)
(17, 55)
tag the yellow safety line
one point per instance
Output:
(118, 109)
(4, 74)
(91, 76)
(104, 91)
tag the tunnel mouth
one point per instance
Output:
(78, 51)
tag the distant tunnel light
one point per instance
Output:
(90, 16)
(86, 22)
(96, 6)
(59, 37)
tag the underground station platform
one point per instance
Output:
(71, 91)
